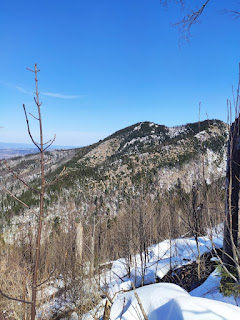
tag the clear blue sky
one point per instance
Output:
(111, 63)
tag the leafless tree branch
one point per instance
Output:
(54, 138)
(33, 116)
(20, 201)
(234, 13)
(37, 103)
(189, 20)
(47, 142)
(139, 302)
(57, 178)
(29, 131)
(17, 177)
(46, 280)
(14, 299)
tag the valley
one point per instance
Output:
(113, 199)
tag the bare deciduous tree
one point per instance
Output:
(42, 147)
(192, 14)
(231, 229)
(231, 253)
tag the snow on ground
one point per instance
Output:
(175, 131)
(164, 300)
(161, 258)
(209, 289)
(167, 301)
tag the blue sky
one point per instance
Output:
(111, 63)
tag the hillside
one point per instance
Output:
(114, 199)
(14, 150)
(145, 156)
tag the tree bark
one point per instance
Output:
(230, 244)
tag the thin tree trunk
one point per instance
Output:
(79, 242)
(232, 197)
(37, 254)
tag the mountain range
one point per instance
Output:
(145, 158)
(11, 150)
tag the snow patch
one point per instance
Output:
(175, 131)
(138, 127)
(165, 301)
(161, 258)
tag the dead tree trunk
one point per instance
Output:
(41, 147)
(79, 241)
(230, 244)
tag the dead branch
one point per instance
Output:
(14, 299)
(37, 103)
(124, 300)
(56, 179)
(234, 13)
(189, 20)
(107, 310)
(16, 176)
(20, 201)
(33, 116)
(46, 280)
(139, 302)
(31, 70)
(47, 142)
(29, 131)
(50, 143)
(40, 222)
(224, 266)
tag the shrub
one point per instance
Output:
(228, 287)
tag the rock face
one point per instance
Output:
(145, 156)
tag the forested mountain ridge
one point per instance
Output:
(113, 199)
(145, 157)
(145, 150)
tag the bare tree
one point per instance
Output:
(42, 147)
(192, 15)
(230, 248)
(231, 256)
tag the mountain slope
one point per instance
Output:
(154, 154)
(143, 157)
